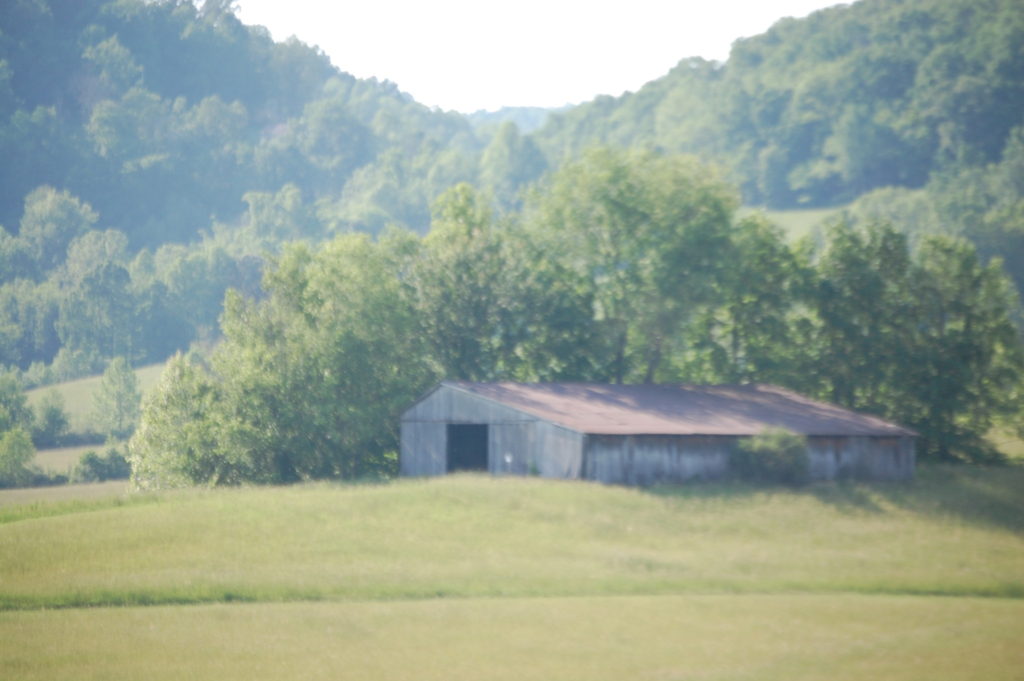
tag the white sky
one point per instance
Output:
(468, 55)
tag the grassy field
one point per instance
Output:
(707, 637)
(797, 223)
(473, 577)
(78, 395)
(78, 403)
(27, 500)
(62, 459)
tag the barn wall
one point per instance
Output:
(510, 447)
(521, 444)
(869, 458)
(423, 448)
(512, 439)
(558, 452)
(651, 459)
(450, 405)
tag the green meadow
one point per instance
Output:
(474, 577)
(798, 223)
(78, 394)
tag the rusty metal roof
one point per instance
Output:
(676, 409)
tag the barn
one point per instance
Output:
(635, 434)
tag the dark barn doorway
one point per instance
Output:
(467, 447)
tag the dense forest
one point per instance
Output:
(160, 155)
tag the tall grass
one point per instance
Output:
(953, 532)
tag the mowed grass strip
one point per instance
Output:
(709, 637)
(953, 532)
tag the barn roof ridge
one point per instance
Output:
(678, 408)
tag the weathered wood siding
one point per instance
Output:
(522, 444)
(867, 458)
(449, 405)
(424, 448)
(559, 452)
(651, 459)
(510, 446)
(517, 443)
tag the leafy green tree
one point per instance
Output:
(97, 306)
(116, 403)
(92, 467)
(50, 422)
(16, 448)
(757, 327)
(28, 313)
(309, 382)
(115, 68)
(14, 409)
(649, 235)
(16, 452)
(968, 362)
(51, 221)
(463, 300)
(509, 164)
(490, 304)
(176, 443)
(865, 303)
(925, 338)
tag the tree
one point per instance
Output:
(509, 164)
(462, 287)
(51, 421)
(755, 329)
(14, 409)
(97, 308)
(648, 235)
(116, 403)
(864, 301)
(176, 443)
(52, 220)
(968, 362)
(308, 383)
(491, 305)
(924, 337)
(16, 452)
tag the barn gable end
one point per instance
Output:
(515, 439)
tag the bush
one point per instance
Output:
(16, 451)
(95, 468)
(51, 421)
(776, 455)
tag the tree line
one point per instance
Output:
(158, 150)
(623, 267)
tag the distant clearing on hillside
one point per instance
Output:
(78, 394)
(797, 223)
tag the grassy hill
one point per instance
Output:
(78, 394)
(469, 577)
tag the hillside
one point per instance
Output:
(411, 539)
(817, 111)
(522, 578)
(160, 152)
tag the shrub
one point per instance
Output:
(16, 451)
(95, 468)
(51, 421)
(775, 455)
